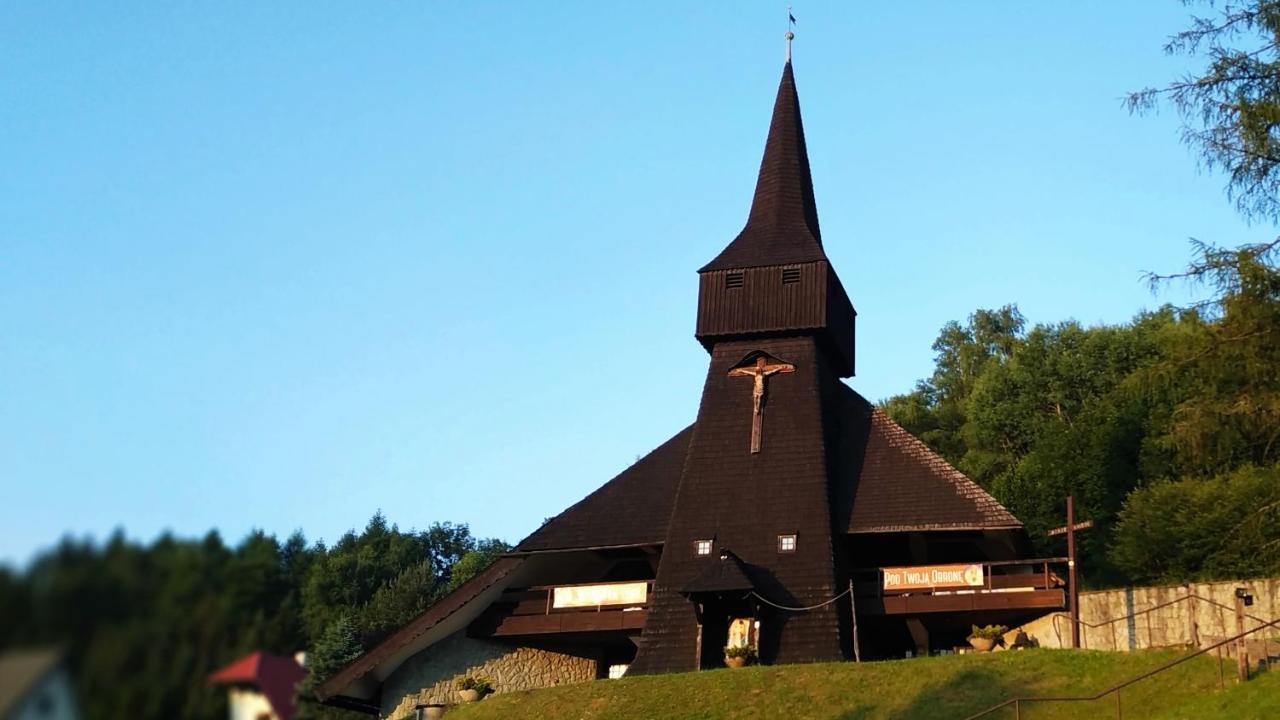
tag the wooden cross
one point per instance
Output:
(761, 370)
(1073, 592)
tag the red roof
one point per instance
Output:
(274, 676)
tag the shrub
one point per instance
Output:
(990, 632)
(741, 651)
(1202, 529)
(479, 683)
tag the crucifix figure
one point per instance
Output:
(762, 369)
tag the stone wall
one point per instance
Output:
(1207, 618)
(428, 677)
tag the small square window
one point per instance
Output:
(786, 543)
(734, 280)
(790, 276)
(702, 547)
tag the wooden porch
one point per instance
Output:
(1013, 585)
(535, 611)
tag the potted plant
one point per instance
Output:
(472, 688)
(984, 638)
(736, 656)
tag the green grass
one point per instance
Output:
(1258, 698)
(924, 688)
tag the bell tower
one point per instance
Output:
(774, 278)
(751, 529)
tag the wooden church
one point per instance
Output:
(792, 517)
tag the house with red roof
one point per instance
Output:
(261, 686)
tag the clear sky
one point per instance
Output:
(280, 265)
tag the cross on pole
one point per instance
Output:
(791, 25)
(759, 371)
(1073, 593)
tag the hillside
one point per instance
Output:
(920, 689)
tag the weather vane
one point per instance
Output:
(791, 23)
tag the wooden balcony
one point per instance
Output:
(1018, 585)
(536, 611)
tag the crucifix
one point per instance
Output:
(762, 369)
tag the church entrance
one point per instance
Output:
(724, 623)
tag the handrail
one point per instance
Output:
(988, 563)
(1039, 569)
(1017, 701)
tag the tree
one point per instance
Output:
(1226, 410)
(145, 624)
(1034, 415)
(936, 411)
(475, 561)
(336, 648)
(1231, 108)
(1225, 527)
(345, 578)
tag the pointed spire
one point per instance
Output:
(783, 225)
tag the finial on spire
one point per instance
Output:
(791, 23)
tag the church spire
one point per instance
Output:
(783, 225)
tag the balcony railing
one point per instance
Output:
(992, 585)
(567, 609)
(581, 597)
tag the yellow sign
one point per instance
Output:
(923, 577)
(572, 596)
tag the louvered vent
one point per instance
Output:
(790, 276)
(733, 280)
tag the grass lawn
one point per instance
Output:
(924, 688)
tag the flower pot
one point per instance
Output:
(982, 644)
(735, 662)
(433, 712)
(468, 696)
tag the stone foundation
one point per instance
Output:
(428, 677)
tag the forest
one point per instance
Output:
(144, 625)
(1165, 429)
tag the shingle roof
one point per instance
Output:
(723, 574)
(887, 481)
(631, 509)
(20, 671)
(890, 481)
(783, 225)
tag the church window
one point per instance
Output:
(702, 547)
(786, 543)
(734, 280)
(790, 276)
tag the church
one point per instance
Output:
(793, 519)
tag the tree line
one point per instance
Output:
(1166, 429)
(144, 624)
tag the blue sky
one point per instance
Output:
(280, 265)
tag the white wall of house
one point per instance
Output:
(52, 698)
(248, 704)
